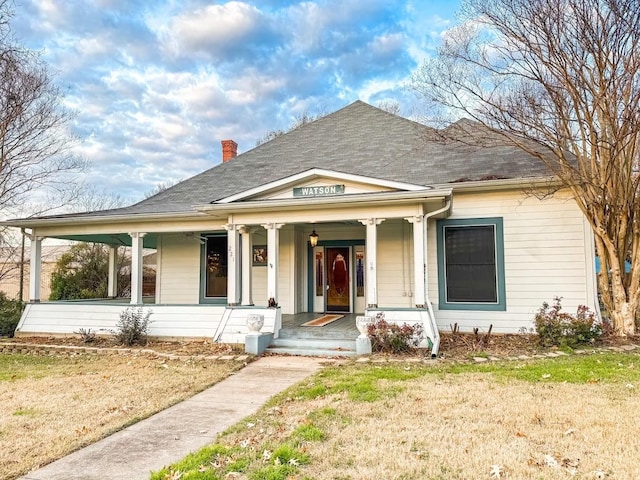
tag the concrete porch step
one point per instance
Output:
(313, 346)
(311, 352)
(316, 343)
(316, 333)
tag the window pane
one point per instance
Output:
(216, 273)
(470, 263)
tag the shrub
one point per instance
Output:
(87, 336)
(555, 327)
(392, 338)
(10, 312)
(133, 326)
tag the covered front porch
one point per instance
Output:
(359, 253)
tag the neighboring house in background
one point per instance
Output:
(424, 225)
(10, 268)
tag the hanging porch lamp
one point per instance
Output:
(313, 238)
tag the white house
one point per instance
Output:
(429, 226)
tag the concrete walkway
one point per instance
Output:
(171, 434)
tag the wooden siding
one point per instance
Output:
(180, 269)
(226, 325)
(166, 320)
(547, 252)
(395, 264)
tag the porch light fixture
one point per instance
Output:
(313, 239)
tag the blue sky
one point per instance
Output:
(158, 84)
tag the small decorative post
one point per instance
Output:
(256, 342)
(363, 342)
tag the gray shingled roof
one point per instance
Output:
(358, 139)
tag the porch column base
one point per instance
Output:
(363, 345)
(257, 344)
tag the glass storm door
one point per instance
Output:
(216, 274)
(338, 261)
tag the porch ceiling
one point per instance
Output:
(119, 239)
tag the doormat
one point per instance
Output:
(322, 321)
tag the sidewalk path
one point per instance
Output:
(171, 434)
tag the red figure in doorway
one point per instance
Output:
(339, 271)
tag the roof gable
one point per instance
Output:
(320, 182)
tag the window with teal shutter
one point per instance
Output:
(471, 264)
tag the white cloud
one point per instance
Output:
(214, 28)
(158, 84)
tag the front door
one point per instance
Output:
(338, 275)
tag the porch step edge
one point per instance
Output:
(310, 352)
(323, 343)
(317, 334)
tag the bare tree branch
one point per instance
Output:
(564, 75)
(36, 147)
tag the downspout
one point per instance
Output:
(432, 318)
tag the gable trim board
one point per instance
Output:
(302, 177)
(402, 184)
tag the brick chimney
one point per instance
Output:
(229, 150)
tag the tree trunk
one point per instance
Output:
(623, 318)
(620, 299)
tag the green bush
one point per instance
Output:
(392, 338)
(10, 312)
(83, 272)
(133, 326)
(557, 328)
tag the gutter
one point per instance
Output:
(91, 220)
(502, 184)
(432, 317)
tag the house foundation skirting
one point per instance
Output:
(217, 322)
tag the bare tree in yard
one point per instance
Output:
(566, 74)
(35, 146)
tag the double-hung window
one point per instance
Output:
(471, 264)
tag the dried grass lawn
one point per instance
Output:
(573, 417)
(51, 406)
(473, 427)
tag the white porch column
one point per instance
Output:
(136, 267)
(371, 251)
(247, 261)
(112, 285)
(419, 266)
(273, 244)
(233, 264)
(35, 268)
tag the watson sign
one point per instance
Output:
(318, 191)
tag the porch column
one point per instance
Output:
(233, 264)
(247, 260)
(371, 252)
(35, 268)
(137, 241)
(112, 285)
(273, 243)
(419, 266)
